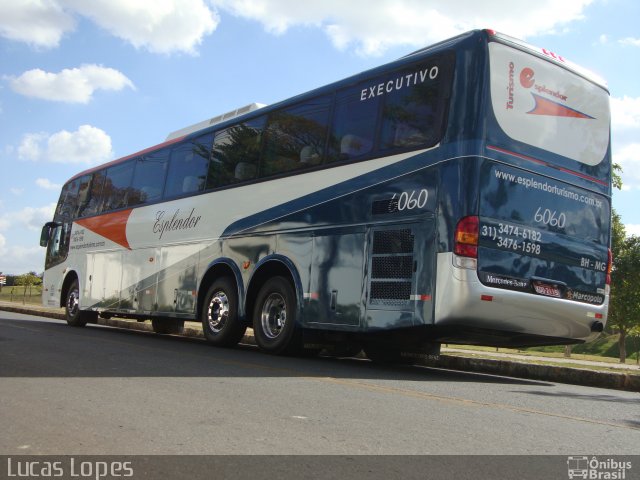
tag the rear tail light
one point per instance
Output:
(609, 266)
(466, 237)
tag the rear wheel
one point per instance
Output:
(274, 318)
(220, 322)
(76, 317)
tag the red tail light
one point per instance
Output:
(609, 266)
(466, 237)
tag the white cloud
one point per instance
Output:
(628, 156)
(40, 23)
(372, 27)
(160, 26)
(17, 260)
(625, 126)
(47, 184)
(23, 256)
(75, 85)
(630, 41)
(632, 229)
(625, 112)
(31, 217)
(167, 26)
(88, 144)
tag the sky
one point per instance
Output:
(85, 82)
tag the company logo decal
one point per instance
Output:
(112, 226)
(547, 101)
(178, 221)
(545, 106)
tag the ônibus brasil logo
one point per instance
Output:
(595, 468)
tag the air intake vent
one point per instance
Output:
(391, 267)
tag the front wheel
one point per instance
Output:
(75, 316)
(274, 318)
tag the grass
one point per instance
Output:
(22, 295)
(603, 349)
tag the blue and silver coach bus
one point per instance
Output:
(460, 194)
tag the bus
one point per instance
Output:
(461, 194)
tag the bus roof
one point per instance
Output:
(488, 34)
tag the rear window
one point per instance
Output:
(547, 106)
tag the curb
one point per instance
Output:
(516, 369)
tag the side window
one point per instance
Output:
(411, 112)
(91, 198)
(354, 123)
(188, 166)
(236, 153)
(117, 186)
(148, 178)
(296, 137)
(68, 201)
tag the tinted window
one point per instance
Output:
(410, 109)
(116, 186)
(148, 178)
(354, 124)
(188, 166)
(236, 153)
(67, 203)
(90, 198)
(296, 137)
(402, 109)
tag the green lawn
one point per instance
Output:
(603, 349)
(27, 295)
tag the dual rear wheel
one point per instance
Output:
(273, 320)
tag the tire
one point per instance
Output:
(220, 323)
(274, 318)
(163, 326)
(75, 316)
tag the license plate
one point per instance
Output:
(546, 289)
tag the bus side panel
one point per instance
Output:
(104, 271)
(178, 278)
(337, 270)
(139, 279)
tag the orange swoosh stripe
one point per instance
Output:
(111, 225)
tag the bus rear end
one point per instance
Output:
(531, 259)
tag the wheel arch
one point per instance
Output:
(66, 284)
(269, 267)
(221, 267)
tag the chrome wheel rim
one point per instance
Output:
(273, 316)
(218, 311)
(73, 302)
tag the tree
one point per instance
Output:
(624, 303)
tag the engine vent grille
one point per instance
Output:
(391, 267)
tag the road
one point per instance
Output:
(98, 390)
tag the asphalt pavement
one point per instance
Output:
(574, 371)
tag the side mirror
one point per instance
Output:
(45, 235)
